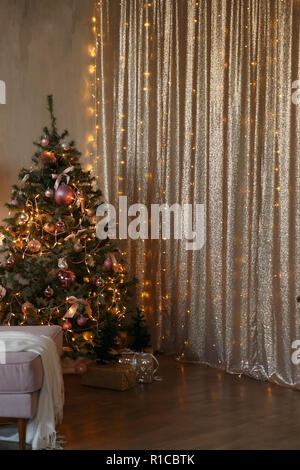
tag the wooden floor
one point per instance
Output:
(194, 407)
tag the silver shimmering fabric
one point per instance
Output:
(195, 104)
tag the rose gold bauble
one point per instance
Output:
(48, 292)
(64, 195)
(60, 226)
(100, 282)
(66, 325)
(10, 262)
(108, 264)
(66, 278)
(47, 158)
(49, 192)
(90, 211)
(23, 218)
(45, 141)
(65, 145)
(49, 228)
(26, 307)
(78, 247)
(34, 246)
(81, 321)
(80, 368)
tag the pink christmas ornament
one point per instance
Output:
(26, 307)
(80, 368)
(66, 325)
(64, 195)
(45, 141)
(48, 292)
(108, 264)
(34, 246)
(81, 321)
(10, 262)
(66, 278)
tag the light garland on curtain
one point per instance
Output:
(193, 104)
(144, 295)
(93, 109)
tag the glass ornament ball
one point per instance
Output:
(90, 211)
(66, 278)
(10, 262)
(49, 192)
(66, 325)
(45, 141)
(26, 307)
(81, 321)
(100, 282)
(80, 369)
(60, 226)
(48, 292)
(49, 228)
(64, 195)
(78, 247)
(34, 246)
(15, 202)
(64, 145)
(23, 218)
(108, 264)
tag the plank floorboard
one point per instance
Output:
(194, 407)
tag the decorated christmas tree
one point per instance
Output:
(55, 270)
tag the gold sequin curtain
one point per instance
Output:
(195, 104)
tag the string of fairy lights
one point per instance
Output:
(95, 97)
(162, 284)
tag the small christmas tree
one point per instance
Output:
(107, 341)
(140, 332)
(56, 270)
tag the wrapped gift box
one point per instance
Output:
(112, 376)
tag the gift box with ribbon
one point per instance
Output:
(113, 376)
(145, 364)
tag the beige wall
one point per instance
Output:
(43, 50)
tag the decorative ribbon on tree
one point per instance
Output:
(74, 307)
